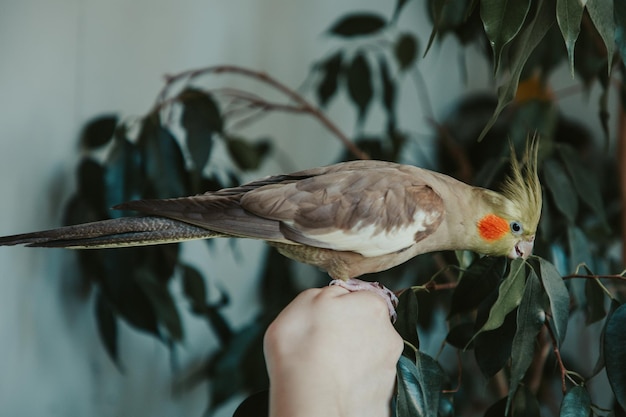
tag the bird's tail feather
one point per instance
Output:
(114, 233)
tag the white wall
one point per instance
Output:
(65, 61)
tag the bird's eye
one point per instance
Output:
(516, 228)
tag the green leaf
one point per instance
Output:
(530, 320)
(502, 20)
(330, 80)
(579, 250)
(461, 335)
(524, 45)
(251, 406)
(569, 14)
(123, 177)
(360, 87)
(194, 288)
(419, 386)
(358, 24)
(600, 363)
(492, 349)
(163, 304)
(164, 160)
(594, 307)
(389, 93)
(585, 180)
(615, 353)
(601, 14)
(576, 403)
(436, 11)
(561, 189)
(556, 290)
(619, 9)
(509, 296)
(406, 323)
(98, 131)
(201, 120)
(247, 156)
(91, 186)
(477, 282)
(405, 50)
(525, 403)
(107, 328)
(399, 6)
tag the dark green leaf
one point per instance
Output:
(584, 180)
(247, 156)
(239, 365)
(502, 20)
(436, 11)
(252, 406)
(327, 87)
(389, 93)
(406, 323)
(524, 45)
(557, 294)
(615, 353)
(419, 386)
(569, 14)
(107, 328)
(560, 187)
(594, 307)
(201, 119)
(619, 9)
(164, 161)
(91, 186)
(509, 296)
(194, 288)
(406, 50)
(163, 304)
(576, 403)
(399, 6)
(600, 362)
(360, 87)
(124, 177)
(476, 283)
(525, 403)
(601, 14)
(492, 349)
(449, 15)
(530, 319)
(98, 131)
(358, 24)
(603, 106)
(460, 336)
(497, 409)
(580, 252)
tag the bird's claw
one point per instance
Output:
(354, 284)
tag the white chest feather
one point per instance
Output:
(374, 239)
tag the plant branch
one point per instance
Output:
(303, 105)
(557, 353)
(619, 277)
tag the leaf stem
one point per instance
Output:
(304, 105)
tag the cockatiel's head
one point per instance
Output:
(509, 230)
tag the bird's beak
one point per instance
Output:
(523, 249)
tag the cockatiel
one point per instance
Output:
(348, 219)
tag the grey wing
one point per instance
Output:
(373, 213)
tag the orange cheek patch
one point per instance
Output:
(492, 227)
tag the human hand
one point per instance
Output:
(332, 352)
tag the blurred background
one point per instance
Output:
(65, 62)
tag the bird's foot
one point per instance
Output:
(354, 284)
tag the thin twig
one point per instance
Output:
(619, 277)
(291, 94)
(557, 353)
